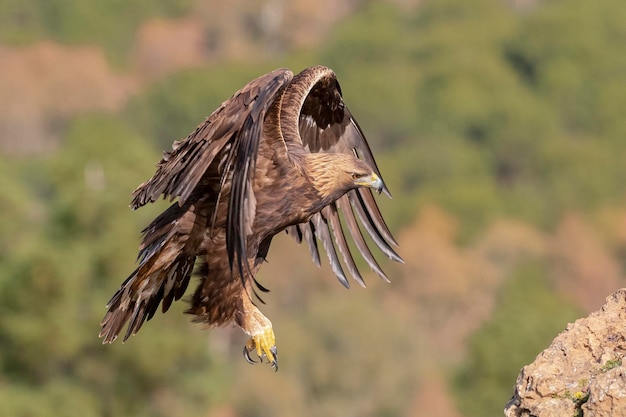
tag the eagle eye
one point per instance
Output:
(355, 176)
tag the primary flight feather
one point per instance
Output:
(283, 153)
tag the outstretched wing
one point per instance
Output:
(326, 125)
(232, 131)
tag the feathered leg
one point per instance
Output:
(259, 328)
(221, 298)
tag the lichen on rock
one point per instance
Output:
(582, 373)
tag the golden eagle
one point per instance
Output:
(283, 153)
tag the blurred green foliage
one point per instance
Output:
(108, 23)
(482, 109)
(527, 317)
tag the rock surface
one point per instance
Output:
(582, 373)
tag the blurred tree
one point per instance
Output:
(569, 54)
(469, 97)
(373, 67)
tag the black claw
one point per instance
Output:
(247, 357)
(274, 363)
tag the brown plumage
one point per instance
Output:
(284, 153)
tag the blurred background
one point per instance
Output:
(499, 127)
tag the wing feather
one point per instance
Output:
(366, 220)
(330, 212)
(308, 233)
(344, 205)
(323, 234)
(369, 204)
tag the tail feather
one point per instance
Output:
(166, 259)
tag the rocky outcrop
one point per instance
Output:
(582, 373)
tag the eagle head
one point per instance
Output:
(334, 174)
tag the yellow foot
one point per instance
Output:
(264, 344)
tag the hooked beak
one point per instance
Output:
(372, 181)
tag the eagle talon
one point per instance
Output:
(247, 357)
(263, 345)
